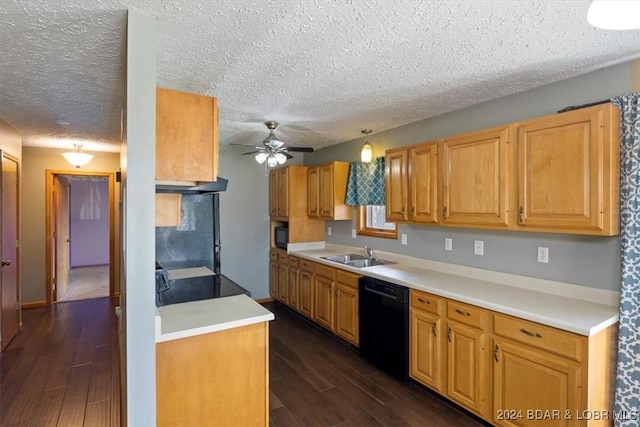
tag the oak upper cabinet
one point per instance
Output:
(396, 185)
(346, 316)
(306, 288)
(168, 209)
(475, 178)
(186, 136)
(279, 193)
(428, 341)
(568, 172)
(327, 191)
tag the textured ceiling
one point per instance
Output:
(323, 69)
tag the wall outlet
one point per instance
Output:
(478, 247)
(328, 231)
(403, 238)
(353, 233)
(543, 254)
(448, 244)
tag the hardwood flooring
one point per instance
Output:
(63, 367)
(316, 380)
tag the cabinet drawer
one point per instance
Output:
(294, 262)
(324, 271)
(467, 314)
(273, 255)
(283, 257)
(347, 278)
(426, 302)
(544, 337)
(306, 265)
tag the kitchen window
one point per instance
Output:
(372, 222)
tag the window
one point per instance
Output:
(372, 222)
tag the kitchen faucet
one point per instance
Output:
(369, 252)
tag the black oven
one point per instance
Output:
(281, 236)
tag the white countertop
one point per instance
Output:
(579, 309)
(202, 317)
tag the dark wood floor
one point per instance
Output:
(63, 368)
(318, 381)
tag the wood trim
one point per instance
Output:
(362, 230)
(49, 174)
(264, 300)
(35, 304)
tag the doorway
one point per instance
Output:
(80, 235)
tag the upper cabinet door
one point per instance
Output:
(326, 190)
(423, 183)
(283, 192)
(312, 192)
(475, 178)
(186, 136)
(396, 185)
(273, 193)
(568, 172)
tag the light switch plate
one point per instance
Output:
(328, 231)
(353, 233)
(543, 254)
(478, 247)
(448, 244)
(403, 238)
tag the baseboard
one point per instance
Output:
(35, 304)
(264, 300)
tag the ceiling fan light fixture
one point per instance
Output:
(261, 157)
(76, 157)
(280, 158)
(367, 153)
(272, 161)
(614, 14)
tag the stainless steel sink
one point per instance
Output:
(363, 263)
(344, 258)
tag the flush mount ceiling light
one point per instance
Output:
(76, 157)
(614, 14)
(367, 153)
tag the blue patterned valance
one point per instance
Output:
(366, 183)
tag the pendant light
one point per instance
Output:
(77, 157)
(614, 14)
(367, 153)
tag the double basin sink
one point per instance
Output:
(358, 261)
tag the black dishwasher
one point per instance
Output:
(384, 325)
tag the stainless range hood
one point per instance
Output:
(192, 187)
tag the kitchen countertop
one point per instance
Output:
(570, 307)
(212, 315)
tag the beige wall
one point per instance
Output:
(10, 139)
(35, 162)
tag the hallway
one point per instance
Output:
(63, 368)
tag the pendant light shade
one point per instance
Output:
(614, 15)
(76, 157)
(367, 153)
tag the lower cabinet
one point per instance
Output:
(427, 340)
(305, 288)
(346, 322)
(324, 285)
(294, 283)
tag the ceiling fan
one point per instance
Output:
(273, 151)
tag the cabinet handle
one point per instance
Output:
(434, 329)
(496, 349)
(444, 213)
(449, 333)
(521, 215)
(464, 313)
(531, 334)
(424, 301)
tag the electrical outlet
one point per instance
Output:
(353, 233)
(403, 238)
(328, 231)
(543, 254)
(448, 244)
(478, 247)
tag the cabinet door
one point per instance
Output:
(475, 178)
(186, 136)
(273, 193)
(326, 191)
(346, 320)
(283, 282)
(563, 169)
(526, 379)
(467, 381)
(273, 279)
(305, 300)
(423, 183)
(312, 192)
(168, 209)
(427, 349)
(283, 193)
(396, 185)
(324, 301)
(293, 287)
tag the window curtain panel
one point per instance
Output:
(627, 396)
(366, 183)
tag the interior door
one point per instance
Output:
(61, 227)
(10, 316)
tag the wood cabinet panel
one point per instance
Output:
(427, 351)
(467, 314)
(313, 209)
(306, 288)
(427, 302)
(423, 183)
(283, 282)
(346, 316)
(327, 191)
(186, 136)
(323, 296)
(396, 185)
(294, 287)
(168, 209)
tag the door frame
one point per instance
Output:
(49, 211)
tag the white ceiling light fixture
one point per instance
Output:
(77, 157)
(367, 153)
(614, 14)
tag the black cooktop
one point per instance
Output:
(199, 288)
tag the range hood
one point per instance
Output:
(192, 187)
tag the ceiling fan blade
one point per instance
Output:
(300, 149)
(251, 152)
(287, 155)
